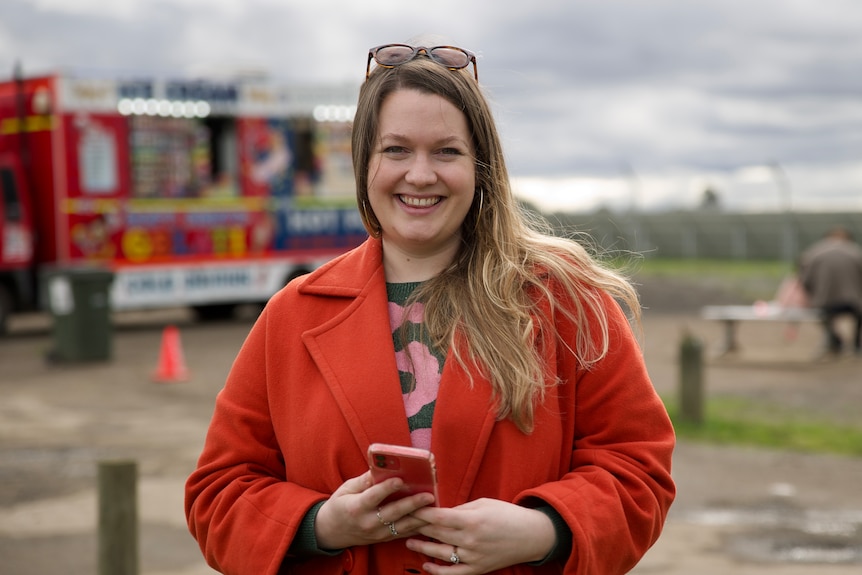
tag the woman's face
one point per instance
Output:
(421, 173)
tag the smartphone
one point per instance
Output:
(413, 465)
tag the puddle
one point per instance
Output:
(791, 546)
(787, 534)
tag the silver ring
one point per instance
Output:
(392, 528)
(454, 559)
(380, 519)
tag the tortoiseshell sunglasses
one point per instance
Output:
(392, 55)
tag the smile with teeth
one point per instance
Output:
(423, 202)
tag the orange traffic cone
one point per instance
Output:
(172, 365)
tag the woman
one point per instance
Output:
(455, 328)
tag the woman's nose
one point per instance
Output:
(421, 172)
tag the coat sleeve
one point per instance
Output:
(240, 508)
(618, 489)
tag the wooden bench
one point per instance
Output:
(732, 315)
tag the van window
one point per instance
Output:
(9, 195)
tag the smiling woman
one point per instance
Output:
(421, 183)
(456, 329)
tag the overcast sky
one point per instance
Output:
(600, 102)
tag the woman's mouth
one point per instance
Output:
(422, 202)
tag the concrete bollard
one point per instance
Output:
(118, 518)
(691, 379)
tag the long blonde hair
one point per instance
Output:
(490, 298)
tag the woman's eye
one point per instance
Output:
(394, 150)
(450, 152)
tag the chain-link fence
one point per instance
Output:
(708, 234)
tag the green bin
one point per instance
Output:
(79, 302)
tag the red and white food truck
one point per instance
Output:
(189, 192)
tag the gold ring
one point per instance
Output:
(380, 519)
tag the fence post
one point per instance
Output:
(691, 379)
(118, 518)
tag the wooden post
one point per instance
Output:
(691, 379)
(118, 518)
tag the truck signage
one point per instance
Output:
(191, 192)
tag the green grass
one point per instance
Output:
(739, 421)
(742, 421)
(726, 269)
(750, 279)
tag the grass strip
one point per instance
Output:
(741, 422)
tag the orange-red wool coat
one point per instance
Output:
(315, 383)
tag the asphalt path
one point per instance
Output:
(739, 510)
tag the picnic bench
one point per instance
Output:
(732, 315)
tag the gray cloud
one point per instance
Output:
(579, 87)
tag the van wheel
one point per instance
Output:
(295, 274)
(214, 312)
(5, 310)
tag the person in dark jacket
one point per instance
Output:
(831, 273)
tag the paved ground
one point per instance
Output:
(742, 511)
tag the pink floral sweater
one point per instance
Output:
(419, 365)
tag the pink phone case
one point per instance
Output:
(413, 465)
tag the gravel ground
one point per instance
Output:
(740, 510)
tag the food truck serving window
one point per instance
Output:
(170, 157)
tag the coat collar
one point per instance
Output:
(353, 350)
(348, 274)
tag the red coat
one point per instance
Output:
(315, 383)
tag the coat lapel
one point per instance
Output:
(463, 420)
(353, 350)
(357, 360)
(355, 355)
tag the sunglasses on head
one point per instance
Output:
(392, 55)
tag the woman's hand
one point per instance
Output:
(483, 535)
(354, 516)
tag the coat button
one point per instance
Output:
(347, 560)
